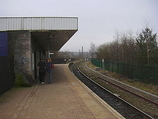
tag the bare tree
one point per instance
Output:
(92, 50)
(127, 48)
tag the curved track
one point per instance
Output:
(123, 107)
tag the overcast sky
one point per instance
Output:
(98, 20)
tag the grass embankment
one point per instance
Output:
(146, 87)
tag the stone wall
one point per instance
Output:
(20, 47)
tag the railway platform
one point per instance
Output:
(65, 98)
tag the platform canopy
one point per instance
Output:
(51, 32)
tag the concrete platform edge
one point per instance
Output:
(117, 114)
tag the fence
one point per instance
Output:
(6, 73)
(146, 74)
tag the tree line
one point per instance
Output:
(127, 48)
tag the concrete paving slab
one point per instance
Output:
(65, 98)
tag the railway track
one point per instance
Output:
(91, 79)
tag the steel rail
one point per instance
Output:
(129, 91)
(152, 102)
(114, 94)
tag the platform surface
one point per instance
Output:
(65, 98)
